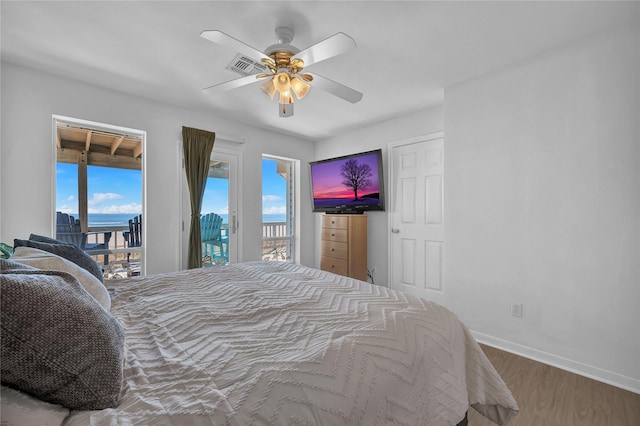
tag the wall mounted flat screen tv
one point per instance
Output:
(350, 184)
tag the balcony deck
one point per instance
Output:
(276, 245)
(114, 258)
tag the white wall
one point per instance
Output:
(29, 98)
(370, 138)
(542, 189)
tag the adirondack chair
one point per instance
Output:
(68, 230)
(133, 237)
(211, 233)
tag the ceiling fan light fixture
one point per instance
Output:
(286, 97)
(282, 81)
(299, 87)
(282, 64)
(269, 88)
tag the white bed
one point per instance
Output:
(278, 343)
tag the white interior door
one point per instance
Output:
(416, 216)
(221, 197)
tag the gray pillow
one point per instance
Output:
(69, 252)
(11, 265)
(58, 343)
(43, 239)
(41, 259)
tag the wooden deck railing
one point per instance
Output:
(276, 245)
(117, 256)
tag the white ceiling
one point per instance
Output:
(407, 52)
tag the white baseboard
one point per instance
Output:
(605, 376)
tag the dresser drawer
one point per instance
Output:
(344, 245)
(335, 249)
(329, 234)
(337, 266)
(336, 222)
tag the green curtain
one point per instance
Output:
(197, 146)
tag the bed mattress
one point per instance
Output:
(278, 343)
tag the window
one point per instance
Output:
(278, 209)
(98, 190)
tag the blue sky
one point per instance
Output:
(110, 190)
(274, 189)
(120, 191)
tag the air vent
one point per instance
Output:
(246, 66)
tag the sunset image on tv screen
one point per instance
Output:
(349, 181)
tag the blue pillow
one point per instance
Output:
(67, 251)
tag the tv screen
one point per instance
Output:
(350, 184)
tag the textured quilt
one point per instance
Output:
(278, 343)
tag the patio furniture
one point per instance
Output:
(133, 237)
(211, 232)
(68, 230)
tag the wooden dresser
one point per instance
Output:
(344, 245)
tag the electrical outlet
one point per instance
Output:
(516, 310)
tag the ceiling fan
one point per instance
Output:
(281, 65)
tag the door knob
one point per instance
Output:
(395, 230)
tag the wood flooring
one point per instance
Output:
(549, 396)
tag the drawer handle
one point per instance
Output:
(333, 222)
(333, 235)
(333, 249)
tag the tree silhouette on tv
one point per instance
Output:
(356, 176)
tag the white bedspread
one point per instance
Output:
(278, 343)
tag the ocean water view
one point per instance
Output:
(109, 219)
(122, 219)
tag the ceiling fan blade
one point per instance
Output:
(335, 45)
(234, 44)
(337, 89)
(232, 84)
